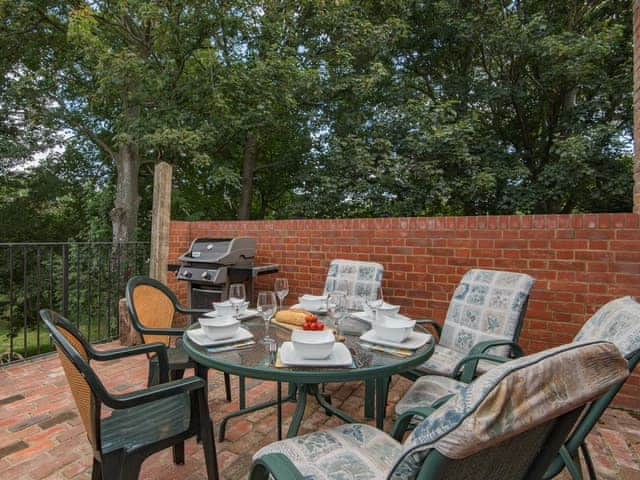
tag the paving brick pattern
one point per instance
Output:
(41, 435)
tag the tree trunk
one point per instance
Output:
(248, 169)
(124, 215)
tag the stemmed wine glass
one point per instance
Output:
(267, 305)
(337, 308)
(282, 289)
(237, 295)
(374, 301)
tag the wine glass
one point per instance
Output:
(374, 300)
(237, 295)
(282, 289)
(337, 308)
(267, 305)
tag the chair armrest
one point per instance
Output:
(482, 347)
(431, 323)
(469, 364)
(403, 421)
(191, 311)
(158, 348)
(113, 354)
(151, 394)
(173, 332)
(274, 465)
(466, 368)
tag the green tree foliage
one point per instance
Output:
(320, 108)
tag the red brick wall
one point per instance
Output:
(579, 261)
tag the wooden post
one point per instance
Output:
(636, 106)
(161, 216)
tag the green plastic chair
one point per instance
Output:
(485, 316)
(508, 424)
(141, 422)
(617, 321)
(152, 307)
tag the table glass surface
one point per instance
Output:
(257, 361)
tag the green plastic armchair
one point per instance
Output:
(152, 307)
(141, 422)
(508, 424)
(617, 321)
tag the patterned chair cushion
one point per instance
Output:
(442, 362)
(512, 398)
(348, 451)
(427, 390)
(487, 305)
(618, 322)
(357, 279)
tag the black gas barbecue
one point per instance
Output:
(212, 264)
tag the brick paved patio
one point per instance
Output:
(41, 435)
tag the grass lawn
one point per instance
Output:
(42, 336)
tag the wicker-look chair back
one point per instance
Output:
(74, 359)
(153, 309)
(141, 422)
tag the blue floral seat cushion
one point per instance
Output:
(511, 398)
(357, 279)
(487, 305)
(444, 361)
(352, 451)
(617, 322)
(426, 390)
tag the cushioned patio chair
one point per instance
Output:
(617, 321)
(507, 424)
(152, 307)
(485, 315)
(355, 278)
(141, 422)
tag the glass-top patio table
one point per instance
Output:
(259, 362)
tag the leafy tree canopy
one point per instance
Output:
(312, 109)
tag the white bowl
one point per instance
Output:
(313, 345)
(219, 328)
(386, 309)
(227, 308)
(393, 329)
(313, 302)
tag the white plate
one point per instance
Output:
(367, 317)
(320, 311)
(248, 313)
(198, 337)
(340, 357)
(413, 342)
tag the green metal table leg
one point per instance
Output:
(279, 410)
(242, 388)
(329, 409)
(299, 413)
(369, 398)
(293, 388)
(382, 384)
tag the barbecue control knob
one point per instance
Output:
(206, 276)
(187, 274)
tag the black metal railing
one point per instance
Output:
(82, 280)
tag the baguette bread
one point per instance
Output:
(295, 316)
